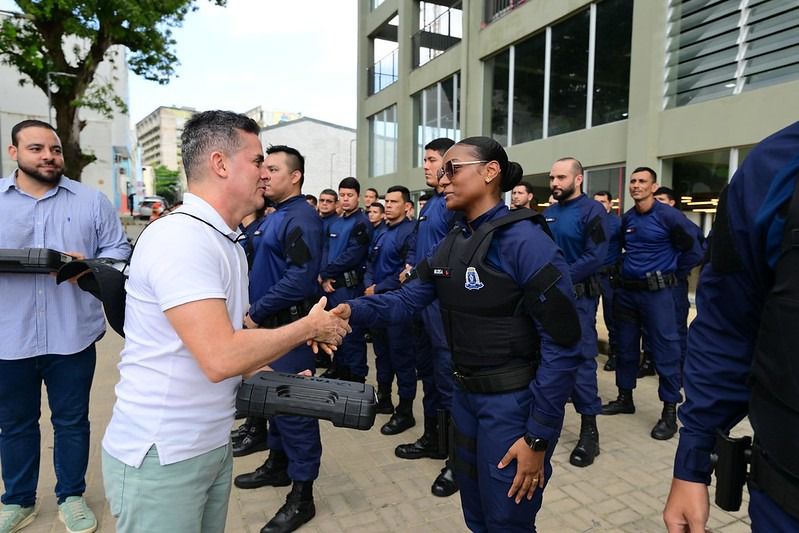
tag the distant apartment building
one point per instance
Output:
(686, 87)
(158, 137)
(108, 139)
(329, 150)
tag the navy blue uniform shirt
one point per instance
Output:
(520, 251)
(343, 250)
(433, 225)
(573, 225)
(649, 242)
(277, 282)
(722, 337)
(614, 239)
(388, 256)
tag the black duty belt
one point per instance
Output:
(588, 288)
(288, 315)
(654, 281)
(348, 279)
(495, 380)
(781, 489)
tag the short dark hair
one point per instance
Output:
(379, 206)
(440, 145)
(329, 192)
(606, 194)
(406, 194)
(311, 198)
(213, 131)
(350, 183)
(647, 169)
(30, 123)
(294, 158)
(527, 186)
(374, 191)
(669, 192)
(425, 197)
(577, 167)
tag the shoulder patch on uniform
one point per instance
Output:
(596, 230)
(296, 250)
(361, 235)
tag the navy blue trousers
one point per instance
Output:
(297, 436)
(654, 311)
(352, 352)
(607, 310)
(486, 426)
(394, 356)
(767, 516)
(68, 379)
(585, 395)
(434, 362)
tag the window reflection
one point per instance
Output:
(569, 74)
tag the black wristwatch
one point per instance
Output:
(537, 444)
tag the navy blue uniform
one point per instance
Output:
(681, 303)
(434, 362)
(730, 303)
(344, 252)
(660, 240)
(287, 250)
(392, 343)
(609, 266)
(579, 228)
(488, 424)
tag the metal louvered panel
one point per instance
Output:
(722, 47)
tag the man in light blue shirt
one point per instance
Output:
(49, 331)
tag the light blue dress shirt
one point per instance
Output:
(38, 317)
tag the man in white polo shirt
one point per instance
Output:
(167, 463)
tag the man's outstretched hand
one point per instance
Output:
(329, 328)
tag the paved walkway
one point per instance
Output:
(363, 487)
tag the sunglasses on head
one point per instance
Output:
(451, 167)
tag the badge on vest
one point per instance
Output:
(472, 279)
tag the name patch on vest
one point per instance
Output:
(473, 282)
(550, 220)
(441, 272)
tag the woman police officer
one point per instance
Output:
(508, 311)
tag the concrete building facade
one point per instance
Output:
(108, 139)
(684, 87)
(158, 137)
(329, 150)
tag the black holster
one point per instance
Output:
(731, 459)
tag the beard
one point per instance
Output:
(562, 194)
(47, 179)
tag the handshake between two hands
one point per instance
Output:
(329, 327)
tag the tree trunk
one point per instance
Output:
(69, 127)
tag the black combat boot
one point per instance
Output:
(401, 420)
(298, 509)
(273, 473)
(667, 425)
(621, 405)
(647, 368)
(444, 484)
(250, 438)
(425, 446)
(384, 405)
(588, 445)
(610, 364)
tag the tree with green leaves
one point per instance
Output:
(72, 37)
(167, 183)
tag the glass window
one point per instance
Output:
(698, 178)
(610, 179)
(614, 28)
(499, 72)
(528, 89)
(436, 114)
(569, 74)
(383, 142)
(440, 28)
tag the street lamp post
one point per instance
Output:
(50, 94)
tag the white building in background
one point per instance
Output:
(108, 139)
(329, 150)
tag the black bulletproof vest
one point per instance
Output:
(482, 309)
(774, 404)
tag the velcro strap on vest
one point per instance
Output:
(779, 487)
(496, 381)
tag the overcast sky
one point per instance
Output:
(284, 55)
